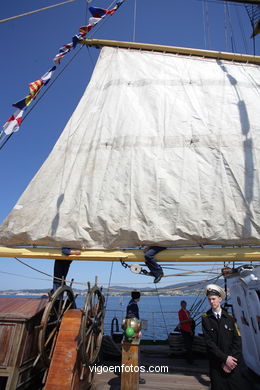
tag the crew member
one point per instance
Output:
(132, 311)
(186, 330)
(154, 267)
(223, 343)
(61, 267)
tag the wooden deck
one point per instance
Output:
(156, 382)
(180, 374)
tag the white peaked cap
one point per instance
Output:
(214, 289)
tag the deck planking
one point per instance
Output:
(181, 375)
(109, 381)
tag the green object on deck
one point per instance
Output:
(129, 332)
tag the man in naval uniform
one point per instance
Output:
(223, 343)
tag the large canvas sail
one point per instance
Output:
(162, 149)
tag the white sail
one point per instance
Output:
(162, 149)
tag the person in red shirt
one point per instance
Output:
(186, 330)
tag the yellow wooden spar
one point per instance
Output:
(195, 255)
(174, 49)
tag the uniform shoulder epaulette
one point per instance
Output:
(238, 331)
(204, 315)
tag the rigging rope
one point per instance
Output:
(22, 276)
(101, 22)
(134, 27)
(111, 288)
(161, 310)
(51, 276)
(225, 25)
(253, 12)
(35, 11)
(242, 30)
(233, 46)
(206, 24)
(110, 277)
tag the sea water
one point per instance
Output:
(159, 312)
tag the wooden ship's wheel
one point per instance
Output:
(92, 325)
(60, 302)
(70, 339)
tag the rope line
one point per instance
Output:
(22, 276)
(134, 26)
(242, 30)
(205, 12)
(161, 309)
(51, 276)
(109, 283)
(35, 11)
(101, 22)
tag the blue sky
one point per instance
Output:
(28, 46)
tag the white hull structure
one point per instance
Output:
(245, 293)
(162, 149)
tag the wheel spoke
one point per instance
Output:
(52, 323)
(91, 347)
(66, 308)
(53, 344)
(89, 330)
(51, 335)
(54, 311)
(64, 304)
(88, 343)
(99, 315)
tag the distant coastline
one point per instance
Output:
(179, 289)
(115, 294)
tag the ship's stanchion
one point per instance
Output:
(130, 354)
(130, 365)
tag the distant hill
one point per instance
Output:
(185, 288)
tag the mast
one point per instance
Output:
(173, 49)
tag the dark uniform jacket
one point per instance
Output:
(132, 310)
(222, 337)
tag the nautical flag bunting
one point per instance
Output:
(97, 15)
(85, 29)
(100, 12)
(62, 52)
(34, 88)
(13, 123)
